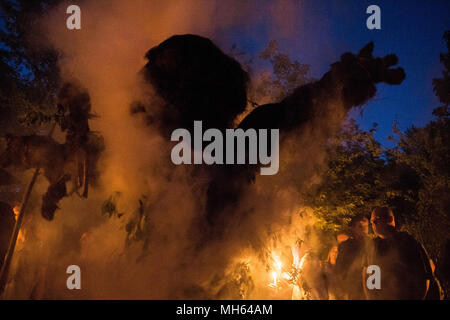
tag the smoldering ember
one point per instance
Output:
(214, 152)
(229, 150)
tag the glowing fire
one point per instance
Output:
(282, 279)
(20, 236)
(16, 210)
(274, 276)
(276, 272)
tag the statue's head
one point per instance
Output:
(198, 82)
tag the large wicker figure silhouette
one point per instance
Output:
(199, 82)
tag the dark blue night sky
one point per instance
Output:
(326, 28)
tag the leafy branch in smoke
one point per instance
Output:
(139, 227)
(109, 206)
(238, 284)
(276, 83)
(285, 76)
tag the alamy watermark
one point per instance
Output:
(374, 20)
(74, 280)
(235, 139)
(73, 22)
(374, 280)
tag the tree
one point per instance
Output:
(285, 76)
(353, 181)
(30, 74)
(427, 152)
(441, 86)
(413, 178)
(274, 84)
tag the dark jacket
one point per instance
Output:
(404, 266)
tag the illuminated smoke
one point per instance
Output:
(106, 56)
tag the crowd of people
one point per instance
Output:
(404, 269)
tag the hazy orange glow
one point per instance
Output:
(21, 235)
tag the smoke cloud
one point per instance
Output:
(159, 207)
